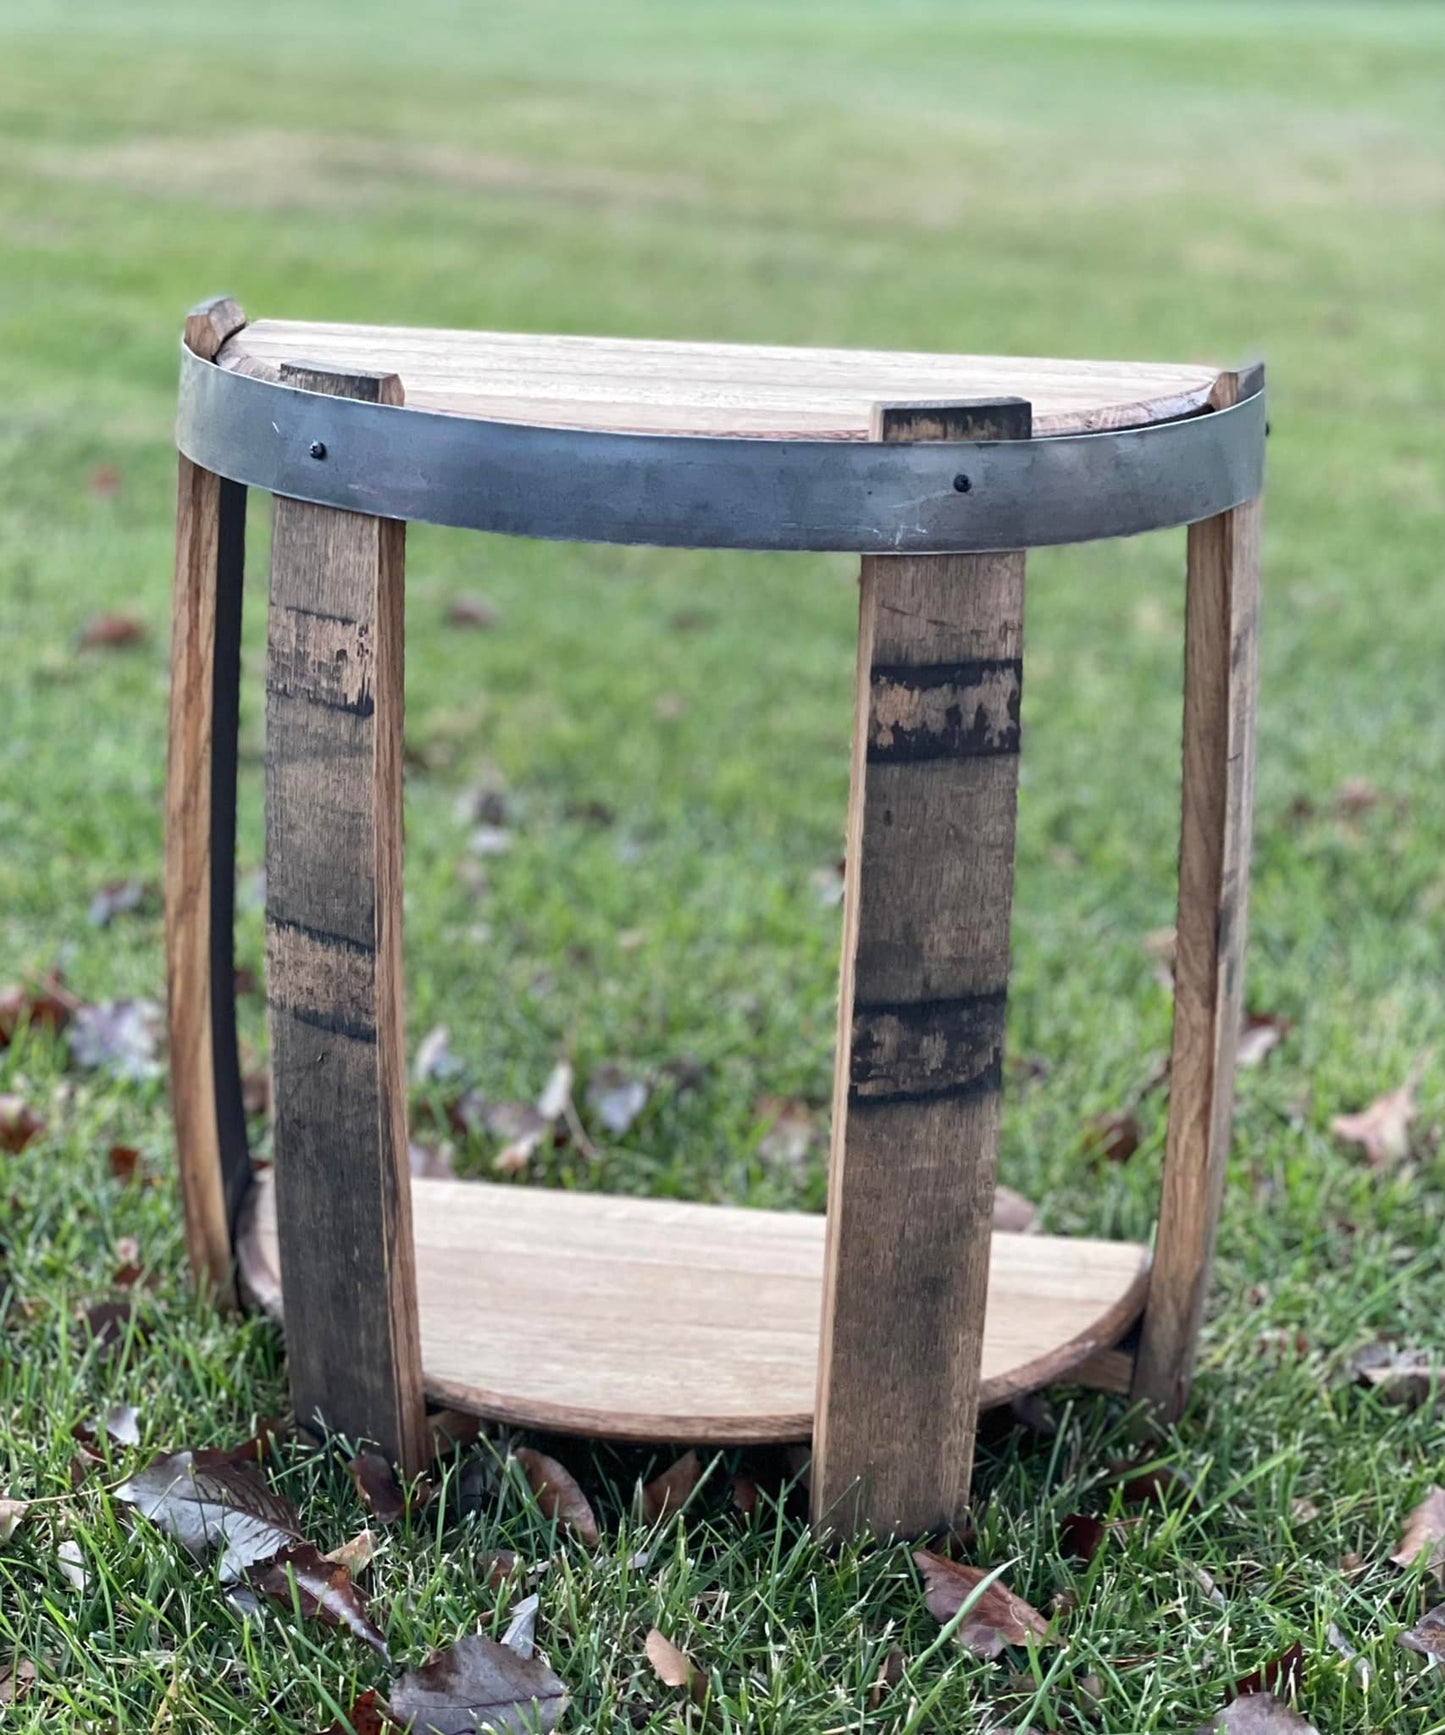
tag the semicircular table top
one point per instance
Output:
(624, 385)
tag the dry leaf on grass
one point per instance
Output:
(19, 1124)
(1424, 1533)
(1261, 1034)
(16, 1680)
(71, 1561)
(996, 1618)
(120, 1423)
(616, 1098)
(119, 1036)
(204, 1506)
(430, 1162)
(557, 1494)
(745, 1494)
(1081, 1537)
(381, 1494)
(1401, 1376)
(473, 610)
(366, 1717)
(669, 1491)
(1259, 1714)
(1145, 1482)
(42, 1005)
(112, 1326)
(556, 1097)
(112, 632)
(674, 1668)
(1115, 1137)
(1427, 1636)
(1281, 1674)
(1382, 1131)
(475, 1684)
(890, 1673)
(116, 898)
(357, 1554)
(301, 1577)
(521, 1633)
(434, 1057)
(12, 1515)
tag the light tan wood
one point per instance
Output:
(333, 961)
(1220, 693)
(647, 1319)
(711, 388)
(927, 895)
(210, 527)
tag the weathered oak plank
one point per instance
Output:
(214, 1162)
(334, 697)
(1220, 696)
(927, 899)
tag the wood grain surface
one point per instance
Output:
(928, 891)
(1221, 677)
(714, 388)
(647, 1319)
(334, 696)
(213, 1160)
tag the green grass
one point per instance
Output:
(1169, 180)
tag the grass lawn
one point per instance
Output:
(1169, 180)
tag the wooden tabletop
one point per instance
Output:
(712, 388)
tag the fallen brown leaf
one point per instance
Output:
(496, 1567)
(121, 1036)
(1427, 1636)
(890, 1673)
(43, 1005)
(745, 1495)
(1080, 1537)
(475, 1684)
(996, 1619)
(301, 1577)
(472, 610)
(557, 1494)
(1258, 1714)
(1424, 1533)
(381, 1494)
(19, 1124)
(669, 1491)
(1115, 1137)
(204, 1506)
(16, 1680)
(674, 1668)
(1260, 1035)
(357, 1554)
(124, 1162)
(113, 1326)
(792, 1129)
(616, 1098)
(431, 1162)
(434, 1057)
(12, 1515)
(1145, 1482)
(113, 632)
(116, 898)
(1281, 1674)
(1401, 1376)
(1382, 1131)
(366, 1717)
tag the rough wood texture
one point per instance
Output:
(653, 1320)
(927, 897)
(715, 388)
(333, 941)
(1220, 687)
(210, 1123)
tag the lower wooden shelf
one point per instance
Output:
(646, 1319)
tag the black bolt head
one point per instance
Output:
(961, 484)
(318, 448)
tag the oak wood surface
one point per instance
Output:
(927, 897)
(1220, 695)
(334, 697)
(213, 1160)
(709, 388)
(655, 1320)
